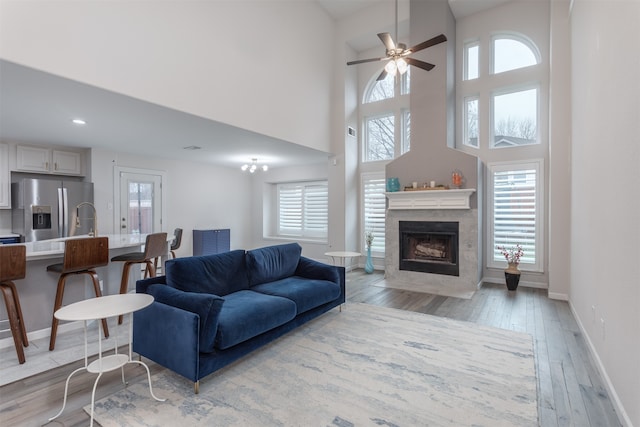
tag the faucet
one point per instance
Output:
(95, 218)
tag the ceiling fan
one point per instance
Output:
(397, 55)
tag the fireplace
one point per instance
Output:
(429, 247)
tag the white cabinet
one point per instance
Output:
(45, 160)
(5, 199)
(66, 162)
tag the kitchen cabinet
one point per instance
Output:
(45, 160)
(5, 198)
(209, 242)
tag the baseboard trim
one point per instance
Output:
(42, 333)
(623, 416)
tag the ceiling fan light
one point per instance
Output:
(391, 67)
(402, 65)
(253, 168)
(244, 167)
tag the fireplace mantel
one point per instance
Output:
(431, 199)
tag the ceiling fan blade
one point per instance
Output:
(361, 61)
(431, 42)
(387, 40)
(419, 64)
(382, 76)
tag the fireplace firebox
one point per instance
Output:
(429, 247)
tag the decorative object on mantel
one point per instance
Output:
(368, 265)
(393, 184)
(457, 179)
(511, 273)
(437, 187)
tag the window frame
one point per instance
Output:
(305, 233)
(515, 37)
(506, 91)
(492, 168)
(364, 178)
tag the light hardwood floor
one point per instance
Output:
(570, 389)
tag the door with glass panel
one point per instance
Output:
(140, 203)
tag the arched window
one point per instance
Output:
(385, 118)
(511, 52)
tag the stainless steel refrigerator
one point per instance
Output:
(51, 208)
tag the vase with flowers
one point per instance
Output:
(368, 239)
(511, 273)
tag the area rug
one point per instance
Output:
(363, 366)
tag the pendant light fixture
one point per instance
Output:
(253, 166)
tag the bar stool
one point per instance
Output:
(155, 246)
(13, 266)
(81, 256)
(175, 244)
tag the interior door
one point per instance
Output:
(140, 203)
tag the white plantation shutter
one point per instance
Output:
(516, 211)
(303, 209)
(373, 208)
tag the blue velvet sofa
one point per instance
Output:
(211, 310)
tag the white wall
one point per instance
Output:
(198, 196)
(605, 231)
(250, 63)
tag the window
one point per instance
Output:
(511, 52)
(303, 209)
(379, 138)
(385, 118)
(471, 121)
(515, 210)
(515, 118)
(471, 60)
(373, 208)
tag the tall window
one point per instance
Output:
(373, 207)
(303, 209)
(386, 118)
(502, 110)
(503, 96)
(515, 211)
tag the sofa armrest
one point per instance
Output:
(168, 336)
(312, 269)
(143, 284)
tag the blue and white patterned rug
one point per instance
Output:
(364, 366)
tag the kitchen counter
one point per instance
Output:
(38, 289)
(54, 248)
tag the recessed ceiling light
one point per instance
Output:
(79, 122)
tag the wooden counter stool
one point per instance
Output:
(154, 247)
(13, 266)
(81, 256)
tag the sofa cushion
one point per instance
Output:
(206, 306)
(246, 314)
(218, 274)
(306, 293)
(272, 263)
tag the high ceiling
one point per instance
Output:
(35, 108)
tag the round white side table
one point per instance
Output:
(341, 256)
(101, 308)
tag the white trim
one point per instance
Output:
(538, 165)
(117, 170)
(618, 406)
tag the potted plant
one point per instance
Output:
(368, 239)
(511, 273)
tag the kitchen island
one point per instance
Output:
(38, 289)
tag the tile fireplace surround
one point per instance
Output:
(434, 205)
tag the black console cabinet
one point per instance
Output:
(208, 242)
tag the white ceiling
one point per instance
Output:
(36, 108)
